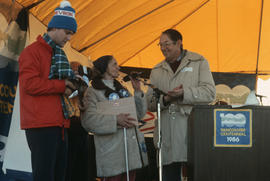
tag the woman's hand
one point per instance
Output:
(125, 121)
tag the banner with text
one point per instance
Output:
(233, 128)
(12, 41)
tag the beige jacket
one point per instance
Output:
(199, 88)
(109, 140)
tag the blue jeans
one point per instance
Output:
(48, 148)
(172, 172)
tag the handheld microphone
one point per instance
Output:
(134, 75)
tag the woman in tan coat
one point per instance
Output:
(186, 78)
(108, 129)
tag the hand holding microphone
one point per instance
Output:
(133, 75)
(136, 76)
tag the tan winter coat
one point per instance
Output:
(199, 88)
(109, 140)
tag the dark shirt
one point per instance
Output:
(174, 66)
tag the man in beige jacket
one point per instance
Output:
(186, 78)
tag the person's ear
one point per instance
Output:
(179, 43)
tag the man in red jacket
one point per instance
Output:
(41, 108)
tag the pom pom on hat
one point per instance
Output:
(64, 17)
(64, 4)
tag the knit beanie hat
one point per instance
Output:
(101, 64)
(64, 17)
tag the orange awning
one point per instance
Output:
(232, 34)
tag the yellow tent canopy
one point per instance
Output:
(232, 34)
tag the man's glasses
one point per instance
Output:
(166, 44)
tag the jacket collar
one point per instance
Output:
(44, 43)
(189, 57)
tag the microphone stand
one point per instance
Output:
(157, 93)
(159, 143)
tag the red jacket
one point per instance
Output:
(40, 104)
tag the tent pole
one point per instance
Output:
(259, 44)
(217, 31)
(34, 5)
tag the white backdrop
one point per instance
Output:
(17, 156)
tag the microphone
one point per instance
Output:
(134, 75)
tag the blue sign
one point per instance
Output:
(233, 128)
(8, 85)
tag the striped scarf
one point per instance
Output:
(60, 69)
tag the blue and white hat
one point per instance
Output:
(64, 17)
